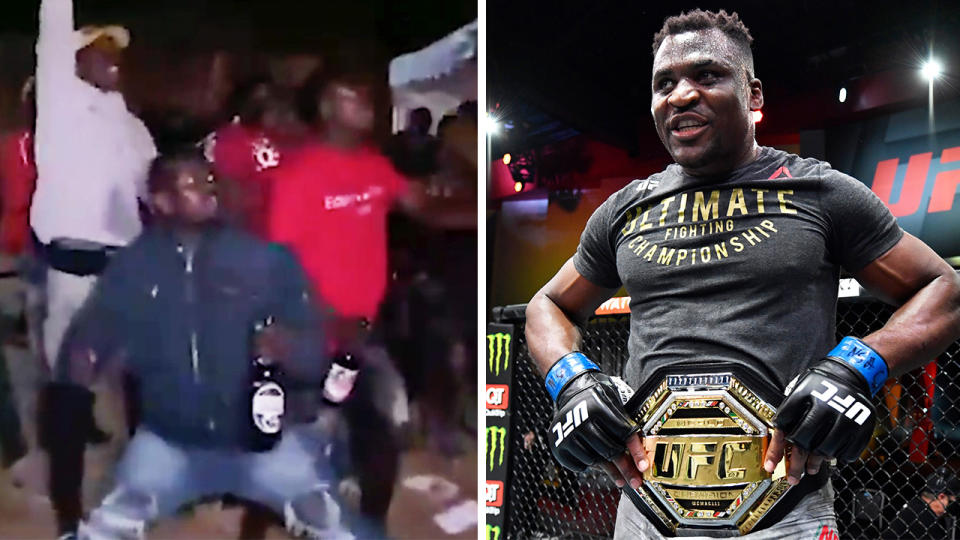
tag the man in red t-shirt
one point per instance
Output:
(329, 204)
(332, 201)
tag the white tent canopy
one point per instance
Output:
(439, 77)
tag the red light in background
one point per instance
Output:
(757, 116)
(518, 187)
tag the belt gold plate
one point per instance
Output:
(706, 460)
(705, 437)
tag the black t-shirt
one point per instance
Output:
(742, 268)
(917, 521)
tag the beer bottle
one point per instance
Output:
(341, 378)
(266, 396)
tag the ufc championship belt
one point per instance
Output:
(707, 431)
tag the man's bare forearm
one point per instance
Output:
(921, 328)
(556, 313)
(550, 332)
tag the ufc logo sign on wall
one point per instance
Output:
(945, 183)
(849, 405)
(498, 396)
(574, 418)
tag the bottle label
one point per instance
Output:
(268, 407)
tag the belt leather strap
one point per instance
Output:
(77, 261)
(808, 484)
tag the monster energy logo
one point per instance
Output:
(493, 434)
(493, 532)
(498, 347)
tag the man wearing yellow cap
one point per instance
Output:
(92, 158)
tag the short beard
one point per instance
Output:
(709, 156)
(715, 154)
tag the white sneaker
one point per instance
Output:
(332, 530)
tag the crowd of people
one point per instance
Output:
(184, 268)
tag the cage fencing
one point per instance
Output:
(918, 432)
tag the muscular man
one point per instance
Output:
(731, 256)
(92, 157)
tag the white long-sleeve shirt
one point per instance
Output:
(92, 154)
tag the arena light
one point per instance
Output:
(491, 126)
(757, 116)
(506, 158)
(931, 69)
(843, 94)
(518, 187)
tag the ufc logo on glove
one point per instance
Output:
(849, 405)
(574, 418)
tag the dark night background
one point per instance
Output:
(275, 25)
(183, 52)
(584, 67)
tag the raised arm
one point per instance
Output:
(57, 84)
(56, 73)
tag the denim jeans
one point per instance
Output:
(155, 477)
